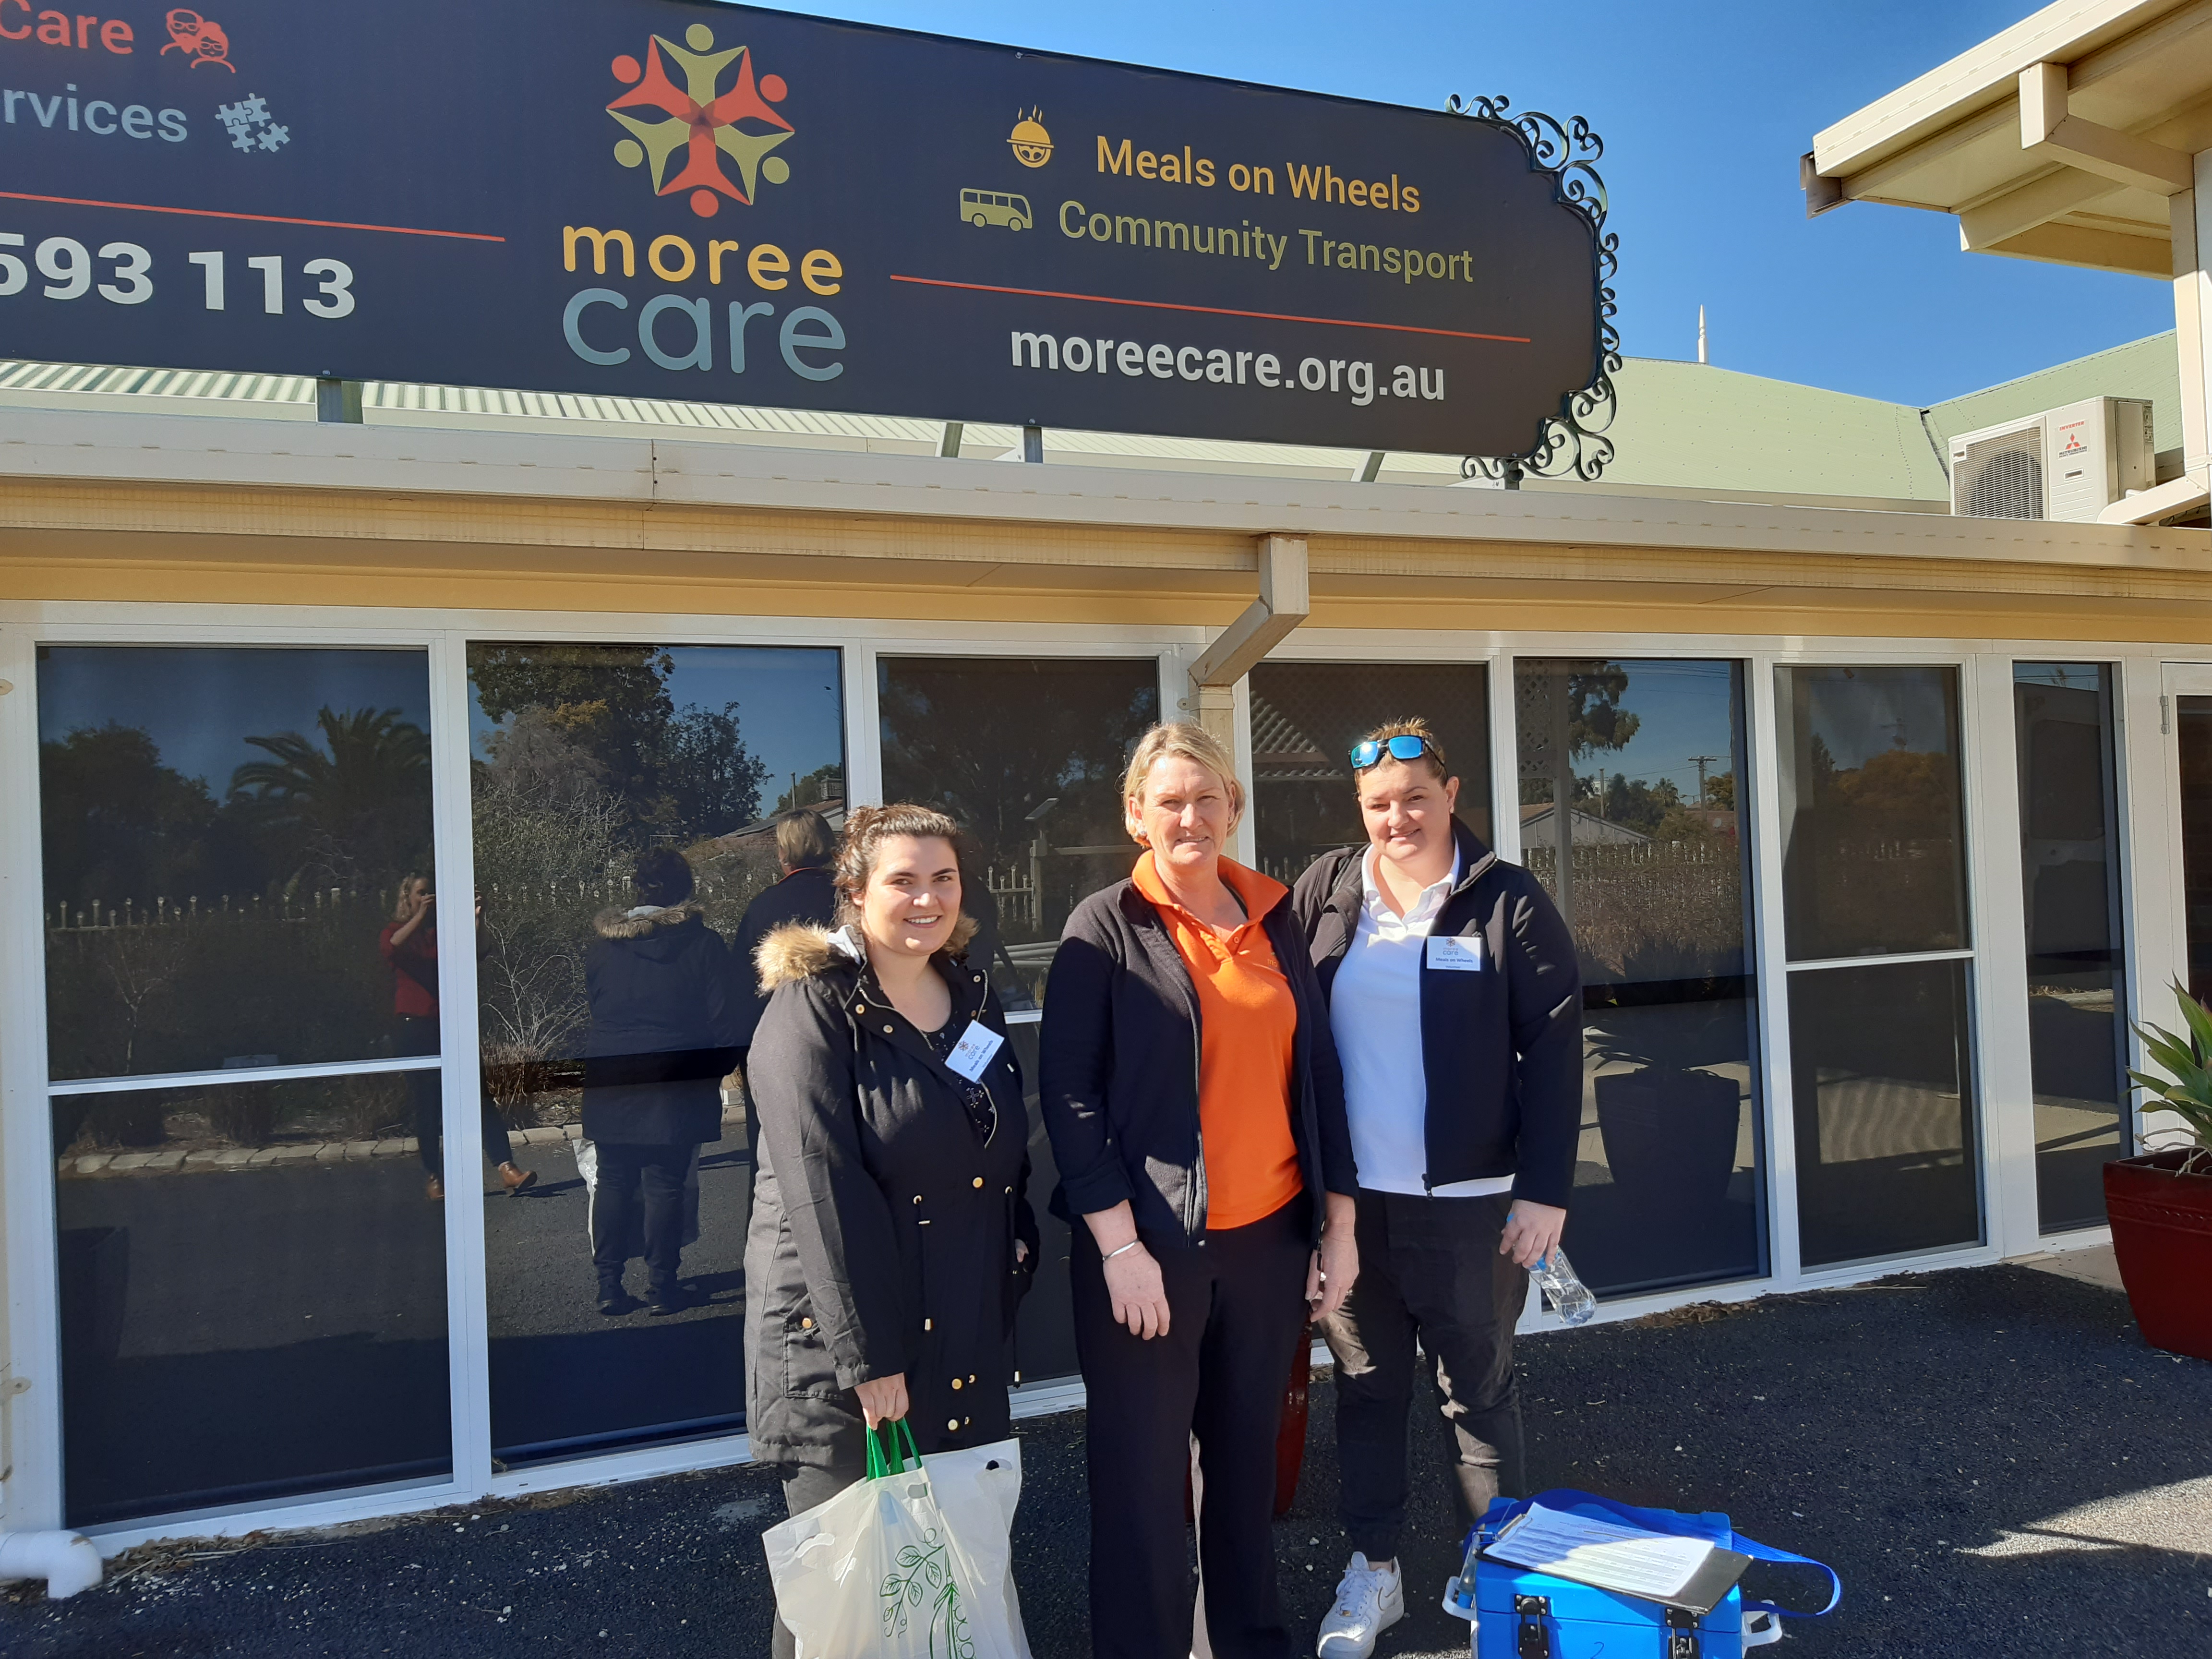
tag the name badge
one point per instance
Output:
(972, 1054)
(1454, 954)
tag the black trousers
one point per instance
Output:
(1429, 1271)
(418, 1034)
(805, 1486)
(1237, 1311)
(630, 1178)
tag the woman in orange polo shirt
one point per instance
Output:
(1196, 1112)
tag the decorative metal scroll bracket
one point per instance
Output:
(1573, 443)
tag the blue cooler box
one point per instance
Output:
(1524, 1614)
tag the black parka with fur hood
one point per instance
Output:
(883, 1226)
(664, 1028)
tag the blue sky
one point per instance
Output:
(1704, 107)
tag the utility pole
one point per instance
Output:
(1702, 762)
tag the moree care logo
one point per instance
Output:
(699, 119)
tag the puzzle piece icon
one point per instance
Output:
(240, 119)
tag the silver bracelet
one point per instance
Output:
(1123, 1250)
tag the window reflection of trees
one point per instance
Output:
(1650, 877)
(183, 932)
(584, 758)
(1028, 756)
(1874, 858)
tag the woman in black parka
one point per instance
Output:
(891, 1237)
(664, 1034)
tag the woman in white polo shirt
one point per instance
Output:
(1456, 1007)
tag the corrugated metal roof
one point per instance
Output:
(1681, 428)
(1714, 431)
(2143, 369)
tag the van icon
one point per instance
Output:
(982, 207)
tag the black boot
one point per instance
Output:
(614, 1301)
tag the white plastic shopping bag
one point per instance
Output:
(911, 1563)
(976, 1493)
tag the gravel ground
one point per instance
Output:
(1991, 1458)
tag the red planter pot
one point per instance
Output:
(2162, 1239)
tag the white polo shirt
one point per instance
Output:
(1375, 1014)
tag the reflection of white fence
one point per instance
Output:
(338, 905)
(1016, 892)
(331, 904)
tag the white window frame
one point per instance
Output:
(2150, 837)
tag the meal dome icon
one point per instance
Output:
(1032, 144)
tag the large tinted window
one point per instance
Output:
(1881, 1056)
(223, 830)
(1028, 754)
(1874, 848)
(1632, 817)
(586, 760)
(2076, 988)
(1307, 715)
(252, 1281)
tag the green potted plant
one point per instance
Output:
(2161, 1203)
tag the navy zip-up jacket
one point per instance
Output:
(1502, 1048)
(1118, 1068)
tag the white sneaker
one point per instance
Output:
(1369, 1601)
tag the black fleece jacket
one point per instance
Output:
(1118, 1066)
(1502, 1048)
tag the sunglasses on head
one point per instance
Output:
(1405, 748)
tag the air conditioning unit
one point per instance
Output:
(2069, 463)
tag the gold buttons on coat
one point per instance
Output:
(887, 1031)
(955, 1382)
(917, 1197)
(805, 1324)
(978, 1183)
(860, 1008)
(954, 1425)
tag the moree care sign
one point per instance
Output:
(665, 199)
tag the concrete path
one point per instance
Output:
(1991, 1458)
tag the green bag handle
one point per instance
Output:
(899, 1440)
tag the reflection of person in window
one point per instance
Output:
(891, 1236)
(663, 1036)
(805, 846)
(410, 943)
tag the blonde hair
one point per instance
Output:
(1416, 728)
(866, 829)
(1184, 741)
(400, 910)
(804, 840)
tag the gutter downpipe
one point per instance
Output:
(1283, 603)
(68, 1561)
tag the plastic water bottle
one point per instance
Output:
(1570, 1298)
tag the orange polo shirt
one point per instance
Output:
(1247, 1020)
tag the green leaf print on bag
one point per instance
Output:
(925, 1574)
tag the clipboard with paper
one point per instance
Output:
(1693, 1574)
